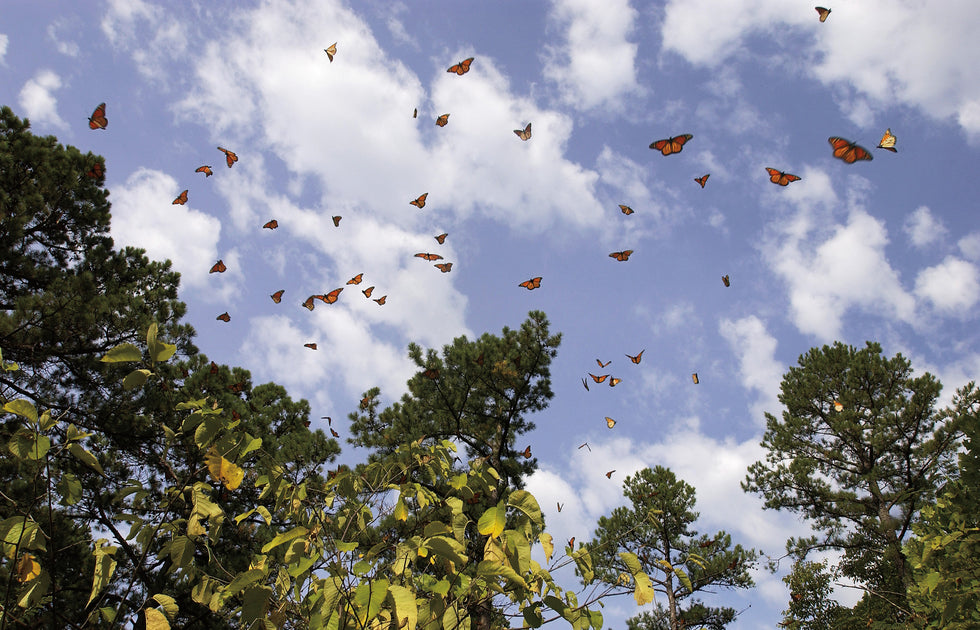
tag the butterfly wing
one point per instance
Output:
(626, 209)
(225, 317)
(181, 199)
(419, 202)
(311, 346)
(823, 13)
(888, 141)
(585, 384)
(610, 422)
(206, 169)
(613, 382)
(848, 151)
(524, 134)
(230, 156)
(442, 238)
(601, 364)
(703, 179)
(444, 267)
(218, 267)
(356, 279)
(668, 146)
(98, 120)
(273, 224)
(277, 296)
(336, 221)
(443, 120)
(308, 304)
(332, 296)
(331, 51)
(726, 281)
(694, 377)
(381, 300)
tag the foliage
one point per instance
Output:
(654, 537)
(811, 606)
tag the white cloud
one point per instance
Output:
(38, 100)
(59, 33)
(923, 228)
(758, 368)
(595, 66)
(952, 286)
(970, 245)
(143, 215)
(3, 46)
(151, 36)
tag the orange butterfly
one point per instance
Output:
(525, 134)
(585, 384)
(626, 209)
(726, 281)
(781, 178)
(420, 201)
(273, 224)
(531, 284)
(331, 297)
(609, 474)
(206, 169)
(97, 171)
(336, 221)
(621, 256)
(823, 13)
(218, 267)
(598, 379)
(571, 542)
(214, 367)
(462, 67)
(615, 381)
(671, 145)
(586, 445)
(638, 357)
(601, 364)
(694, 377)
(429, 257)
(415, 114)
(230, 157)
(311, 346)
(444, 267)
(309, 301)
(703, 179)
(848, 151)
(277, 296)
(610, 422)
(441, 238)
(888, 141)
(331, 51)
(443, 120)
(98, 120)
(381, 300)
(838, 406)
(225, 317)
(368, 291)
(527, 452)
(334, 433)
(181, 199)
(560, 505)
(238, 387)
(356, 279)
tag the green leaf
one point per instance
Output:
(85, 457)
(105, 566)
(158, 350)
(182, 552)
(296, 532)
(155, 620)
(136, 378)
(525, 502)
(643, 592)
(406, 611)
(70, 488)
(27, 444)
(168, 603)
(121, 353)
(492, 522)
(22, 408)
(255, 602)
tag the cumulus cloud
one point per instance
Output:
(952, 286)
(148, 33)
(38, 100)
(923, 228)
(756, 349)
(3, 46)
(970, 245)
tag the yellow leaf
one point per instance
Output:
(28, 568)
(401, 510)
(224, 471)
(547, 544)
(155, 620)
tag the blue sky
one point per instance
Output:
(885, 250)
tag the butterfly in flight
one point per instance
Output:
(443, 120)
(308, 304)
(601, 364)
(356, 279)
(848, 151)
(444, 267)
(888, 141)
(610, 422)
(585, 384)
(531, 284)
(334, 433)
(524, 134)
(613, 382)
(637, 358)
(336, 221)
(609, 474)
(586, 445)
(311, 346)
(429, 257)
(694, 377)
(218, 267)
(703, 179)
(230, 156)
(225, 317)
(415, 114)
(626, 209)
(331, 297)
(381, 300)
(598, 379)
(838, 406)
(668, 146)
(621, 256)
(462, 67)
(331, 51)
(823, 13)
(206, 169)
(97, 171)
(273, 224)
(277, 296)
(441, 238)
(560, 505)
(214, 368)
(781, 178)
(98, 120)
(527, 452)
(181, 199)
(368, 291)
(419, 202)
(571, 542)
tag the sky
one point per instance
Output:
(884, 250)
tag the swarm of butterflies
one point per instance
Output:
(843, 149)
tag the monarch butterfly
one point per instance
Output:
(626, 209)
(571, 542)
(442, 238)
(327, 418)
(586, 445)
(225, 317)
(214, 367)
(97, 171)
(838, 406)
(462, 67)
(431, 373)
(585, 384)
(671, 145)
(230, 156)
(181, 199)
(444, 267)
(613, 382)
(703, 179)
(218, 267)
(381, 300)
(609, 474)
(277, 296)
(823, 13)
(559, 505)
(334, 433)
(331, 51)
(336, 221)
(415, 114)
(419, 202)
(638, 357)
(781, 178)
(888, 141)
(356, 279)
(527, 452)
(479, 360)
(694, 377)
(443, 120)
(311, 346)
(309, 301)
(98, 120)
(273, 224)
(848, 151)
(601, 364)
(429, 257)
(598, 379)
(368, 291)
(610, 422)
(331, 297)
(531, 284)
(206, 169)
(621, 256)
(524, 134)
(726, 281)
